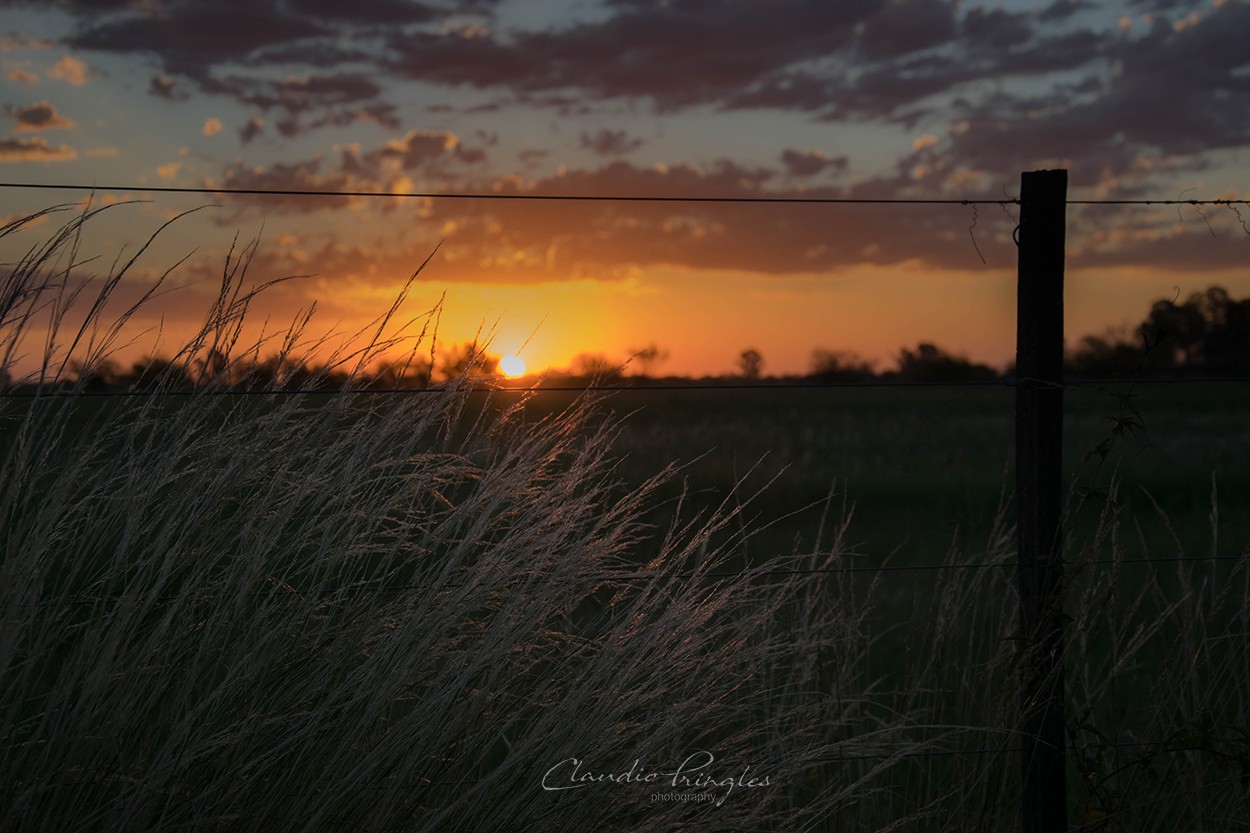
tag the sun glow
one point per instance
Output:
(512, 366)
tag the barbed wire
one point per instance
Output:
(462, 195)
(658, 198)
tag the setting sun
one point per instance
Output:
(512, 366)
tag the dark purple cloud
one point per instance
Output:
(251, 129)
(305, 175)
(163, 86)
(34, 149)
(1064, 9)
(1166, 88)
(379, 112)
(676, 54)
(297, 94)
(418, 149)
(901, 28)
(811, 162)
(192, 36)
(431, 153)
(77, 6)
(560, 241)
(1172, 94)
(610, 142)
(370, 12)
(38, 116)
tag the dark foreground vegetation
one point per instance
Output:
(352, 611)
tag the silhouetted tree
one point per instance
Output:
(157, 371)
(468, 359)
(649, 358)
(100, 375)
(214, 367)
(750, 363)
(1106, 355)
(410, 373)
(840, 366)
(1210, 332)
(930, 363)
(595, 366)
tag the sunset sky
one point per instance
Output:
(784, 98)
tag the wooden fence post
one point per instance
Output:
(1039, 437)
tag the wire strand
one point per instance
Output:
(455, 195)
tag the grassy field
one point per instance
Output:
(399, 613)
(925, 470)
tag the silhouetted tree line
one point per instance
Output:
(1207, 335)
(926, 363)
(277, 373)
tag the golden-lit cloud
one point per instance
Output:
(168, 171)
(35, 149)
(212, 126)
(926, 140)
(21, 76)
(15, 40)
(71, 70)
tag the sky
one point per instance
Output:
(882, 99)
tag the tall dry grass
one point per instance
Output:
(347, 611)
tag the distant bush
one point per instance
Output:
(840, 366)
(929, 363)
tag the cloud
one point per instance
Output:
(21, 76)
(192, 37)
(388, 12)
(811, 162)
(1064, 9)
(923, 141)
(11, 41)
(907, 26)
(304, 102)
(35, 149)
(293, 176)
(194, 40)
(380, 113)
(212, 126)
(251, 129)
(429, 151)
(162, 86)
(532, 156)
(543, 241)
(384, 168)
(1057, 81)
(39, 116)
(70, 70)
(1100, 127)
(169, 170)
(738, 44)
(611, 142)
